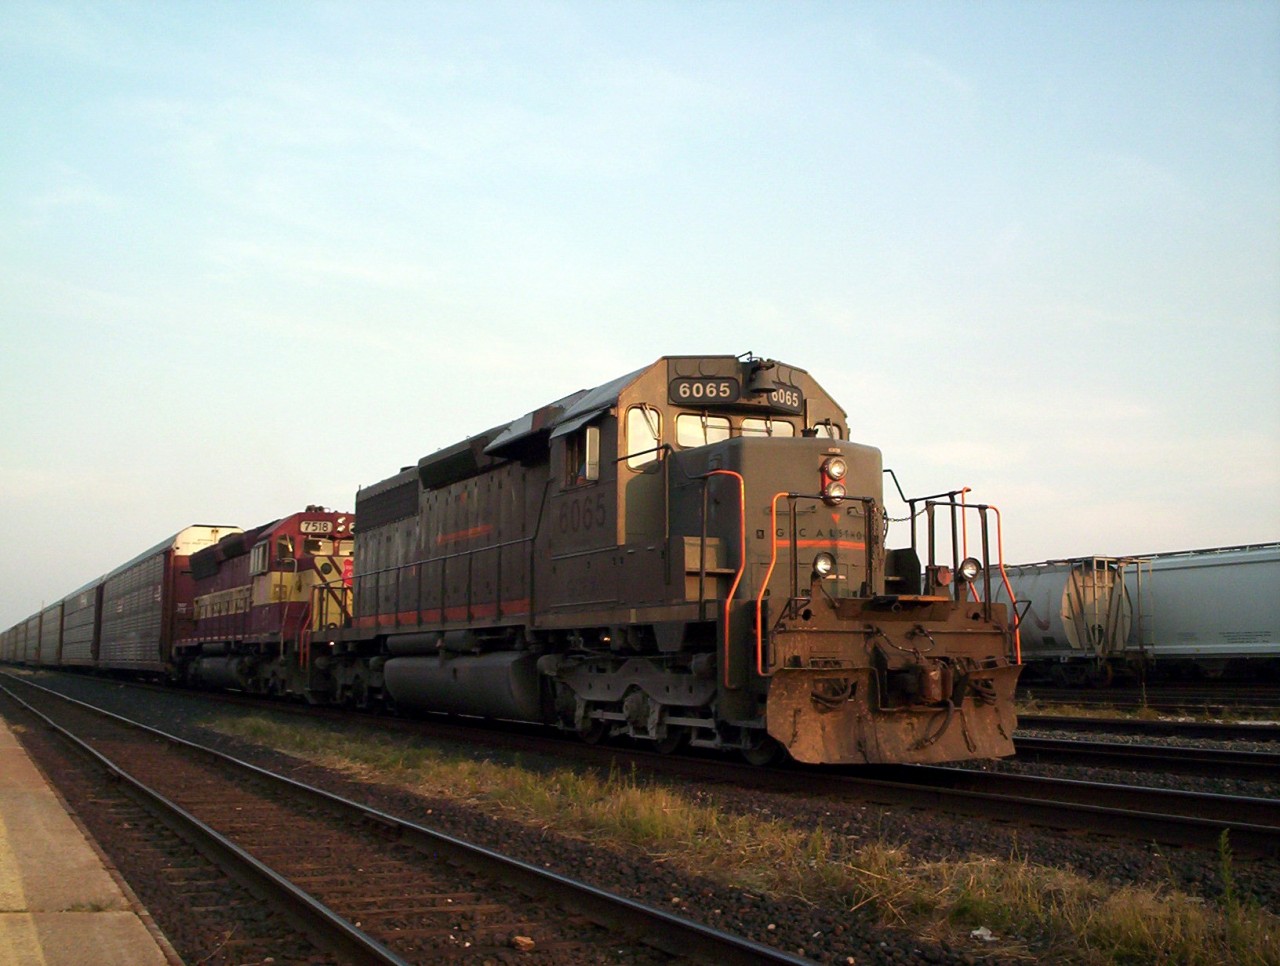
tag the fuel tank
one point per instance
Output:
(504, 684)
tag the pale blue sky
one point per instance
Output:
(254, 255)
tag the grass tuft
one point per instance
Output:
(1075, 919)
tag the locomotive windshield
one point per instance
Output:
(699, 429)
(755, 426)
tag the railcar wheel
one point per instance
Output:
(760, 749)
(1101, 676)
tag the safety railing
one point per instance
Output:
(795, 599)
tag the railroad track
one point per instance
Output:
(1172, 817)
(1164, 728)
(1248, 700)
(366, 886)
(1253, 766)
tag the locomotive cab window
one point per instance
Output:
(258, 559)
(754, 426)
(582, 456)
(699, 429)
(824, 430)
(644, 435)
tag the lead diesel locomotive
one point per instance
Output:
(694, 552)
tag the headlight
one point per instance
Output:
(824, 564)
(835, 468)
(832, 493)
(970, 568)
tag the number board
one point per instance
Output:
(315, 526)
(693, 391)
(789, 399)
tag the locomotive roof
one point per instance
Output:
(577, 409)
(565, 415)
(539, 420)
(595, 402)
(206, 561)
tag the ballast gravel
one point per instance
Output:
(790, 923)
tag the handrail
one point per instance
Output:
(742, 560)
(303, 622)
(1008, 589)
(1004, 576)
(764, 584)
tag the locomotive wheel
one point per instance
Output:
(594, 732)
(360, 694)
(760, 749)
(673, 741)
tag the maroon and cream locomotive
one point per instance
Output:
(258, 598)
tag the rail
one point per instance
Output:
(652, 926)
(335, 932)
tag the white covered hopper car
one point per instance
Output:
(1205, 612)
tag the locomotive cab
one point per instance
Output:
(749, 542)
(845, 659)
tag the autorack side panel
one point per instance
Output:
(17, 642)
(50, 645)
(149, 601)
(81, 617)
(31, 640)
